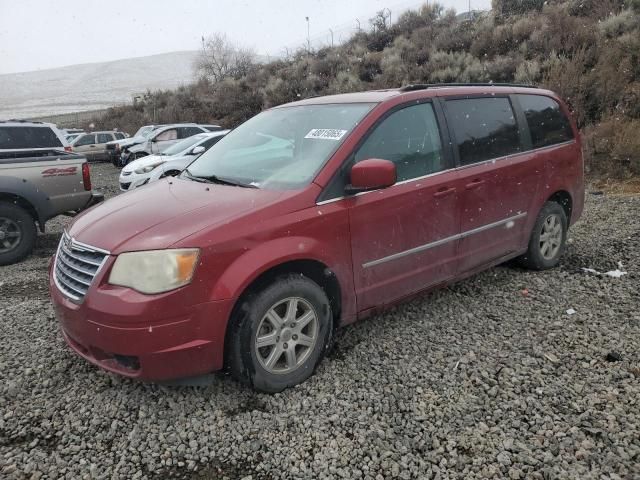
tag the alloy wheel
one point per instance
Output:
(10, 234)
(286, 335)
(551, 237)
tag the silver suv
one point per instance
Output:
(93, 145)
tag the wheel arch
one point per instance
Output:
(14, 190)
(313, 269)
(564, 199)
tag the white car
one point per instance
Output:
(168, 163)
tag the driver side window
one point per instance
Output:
(167, 135)
(409, 138)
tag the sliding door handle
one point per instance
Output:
(444, 192)
(474, 184)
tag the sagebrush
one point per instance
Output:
(586, 50)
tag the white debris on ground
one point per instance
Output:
(617, 273)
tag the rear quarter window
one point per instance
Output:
(28, 137)
(484, 128)
(547, 123)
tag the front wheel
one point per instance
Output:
(280, 334)
(548, 238)
(17, 233)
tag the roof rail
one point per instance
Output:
(424, 86)
(15, 120)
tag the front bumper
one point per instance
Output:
(149, 337)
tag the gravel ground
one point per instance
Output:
(489, 378)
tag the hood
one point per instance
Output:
(144, 161)
(125, 142)
(161, 214)
(136, 147)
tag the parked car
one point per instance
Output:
(158, 141)
(114, 148)
(212, 128)
(170, 163)
(71, 131)
(93, 145)
(252, 257)
(38, 181)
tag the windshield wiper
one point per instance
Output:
(218, 180)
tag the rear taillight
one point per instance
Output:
(86, 177)
(68, 149)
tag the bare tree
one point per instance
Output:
(220, 59)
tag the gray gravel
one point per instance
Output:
(488, 378)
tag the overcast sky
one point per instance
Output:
(40, 34)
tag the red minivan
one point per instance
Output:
(312, 215)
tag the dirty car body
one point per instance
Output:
(358, 202)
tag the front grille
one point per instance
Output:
(125, 186)
(76, 265)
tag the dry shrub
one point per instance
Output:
(345, 82)
(612, 147)
(528, 72)
(619, 24)
(566, 76)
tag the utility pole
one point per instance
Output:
(331, 37)
(308, 35)
(388, 10)
(359, 29)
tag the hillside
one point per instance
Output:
(91, 86)
(586, 50)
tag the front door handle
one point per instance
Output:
(474, 184)
(444, 192)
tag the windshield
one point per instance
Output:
(182, 145)
(282, 148)
(143, 132)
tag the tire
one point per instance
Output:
(272, 367)
(17, 233)
(544, 254)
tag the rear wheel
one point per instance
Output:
(548, 238)
(17, 233)
(280, 334)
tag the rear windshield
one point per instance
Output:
(28, 137)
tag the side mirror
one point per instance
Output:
(197, 150)
(372, 174)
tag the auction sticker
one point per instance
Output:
(326, 134)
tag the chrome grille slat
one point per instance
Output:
(79, 257)
(76, 265)
(72, 275)
(65, 280)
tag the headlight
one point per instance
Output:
(148, 168)
(154, 271)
